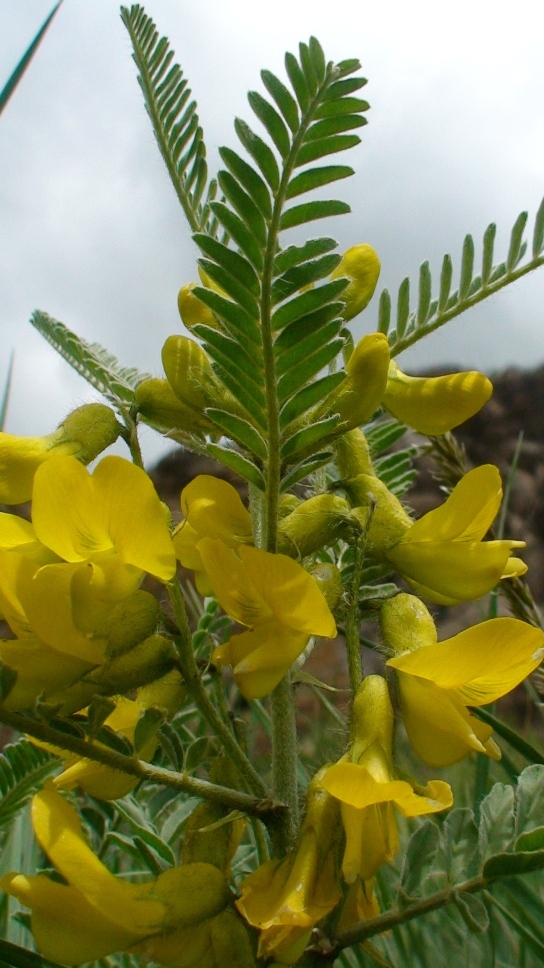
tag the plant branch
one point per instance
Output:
(232, 799)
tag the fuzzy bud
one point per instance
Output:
(316, 523)
(406, 624)
(193, 312)
(160, 407)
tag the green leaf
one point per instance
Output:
(244, 204)
(132, 813)
(487, 254)
(298, 81)
(467, 266)
(529, 826)
(24, 768)
(445, 282)
(306, 181)
(308, 437)
(283, 98)
(240, 430)
(382, 434)
(308, 211)
(175, 123)
(306, 325)
(313, 150)
(403, 306)
(330, 127)
(239, 233)
(15, 77)
(249, 395)
(238, 323)
(419, 859)
(516, 239)
(461, 839)
(506, 865)
(425, 285)
(473, 912)
(308, 69)
(237, 463)
(521, 927)
(273, 123)
(496, 834)
(99, 367)
(304, 469)
(344, 87)
(538, 232)
(317, 58)
(223, 348)
(302, 275)
(306, 368)
(307, 302)
(233, 263)
(231, 286)
(296, 354)
(308, 397)
(295, 255)
(511, 735)
(347, 105)
(263, 155)
(151, 719)
(384, 312)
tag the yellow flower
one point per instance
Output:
(285, 899)
(366, 786)
(443, 555)
(276, 599)
(212, 509)
(95, 913)
(434, 405)
(112, 519)
(438, 680)
(85, 433)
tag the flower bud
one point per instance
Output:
(129, 622)
(148, 661)
(193, 312)
(361, 392)
(406, 624)
(361, 265)
(316, 523)
(189, 373)
(84, 433)
(353, 454)
(160, 407)
(329, 581)
(388, 522)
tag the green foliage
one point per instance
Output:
(432, 312)
(23, 770)
(99, 367)
(173, 117)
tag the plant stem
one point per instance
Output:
(232, 799)
(284, 760)
(193, 681)
(353, 620)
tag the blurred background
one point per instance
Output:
(91, 229)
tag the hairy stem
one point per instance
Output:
(193, 681)
(284, 760)
(232, 799)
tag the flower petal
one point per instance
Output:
(482, 663)
(434, 405)
(39, 669)
(454, 570)
(353, 784)
(467, 513)
(58, 830)
(261, 657)
(439, 727)
(65, 512)
(214, 508)
(67, 929)
(232, 583)
(134, 517)
(292, 594)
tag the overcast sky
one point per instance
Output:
(91, 230)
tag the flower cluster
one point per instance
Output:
(87, 637)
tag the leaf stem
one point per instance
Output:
(284, 761)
